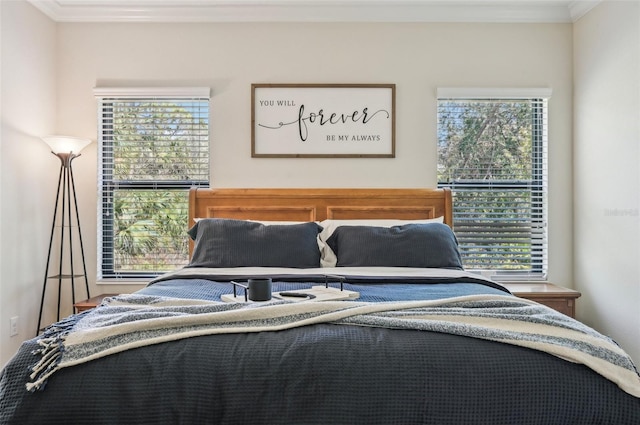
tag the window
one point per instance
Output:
(492, 155)
(153, 147)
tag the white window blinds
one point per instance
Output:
(492, 148)
(154, 146)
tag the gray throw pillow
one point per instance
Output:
(430, 245)
(239, 243)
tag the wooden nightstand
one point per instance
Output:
(557, 297)
(92, 302)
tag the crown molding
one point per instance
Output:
(496, 11)
(577, 9)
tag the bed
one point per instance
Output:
(403, 335)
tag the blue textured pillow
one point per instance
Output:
(239, 243)
(412, 245)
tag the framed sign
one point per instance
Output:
(323, 120)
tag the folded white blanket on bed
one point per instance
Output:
(131, 321)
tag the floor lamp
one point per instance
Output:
(66, 149)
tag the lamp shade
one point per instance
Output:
(66, 144)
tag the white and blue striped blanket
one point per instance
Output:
(130, 321)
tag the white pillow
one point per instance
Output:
(328, 257)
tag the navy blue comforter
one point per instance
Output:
(320, 374)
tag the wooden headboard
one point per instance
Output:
(319, 204)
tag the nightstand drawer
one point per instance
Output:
(554, 296)
(563, 305)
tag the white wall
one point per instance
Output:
(606, 178)
(418, 58)
(27, 168)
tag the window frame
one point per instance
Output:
(107, 185)
(537, 186)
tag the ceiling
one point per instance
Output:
(525, 11)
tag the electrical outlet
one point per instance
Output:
(13, 323)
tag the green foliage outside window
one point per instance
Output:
(482, 141)
(150, 230)
(490, 153)
(153, 153)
